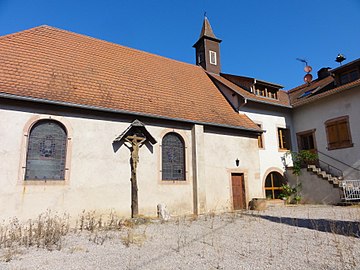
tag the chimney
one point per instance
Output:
(323, 73)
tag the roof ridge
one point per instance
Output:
(305, 85)
(332, 91)
(44, 26)
(26, 30)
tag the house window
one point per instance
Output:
(306, 140)
(260, 139)
(338, 133)
(260, 92)
(272, 95)
(212, 57)
(273, 183)
(349, 76)
(173, 157)
(284, 138)
(46, 151)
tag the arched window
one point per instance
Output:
(46, 151)
(173, 157)
(273, 183)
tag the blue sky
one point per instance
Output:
(261, 38)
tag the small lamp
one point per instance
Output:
(237, 162)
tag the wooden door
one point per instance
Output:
(238, 191)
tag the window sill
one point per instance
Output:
(340, 147)
(173, 182)
(44, 182)
(283, 150)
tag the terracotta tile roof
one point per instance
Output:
(50, 64)
(301, 95)
(283, 99)
(305, 91)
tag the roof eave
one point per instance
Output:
(249, 98)
(315, 98)
(269, 83)
(270, 103)
(102, 109)
(206, 37)
(345, 65)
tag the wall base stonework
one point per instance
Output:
(314, 190)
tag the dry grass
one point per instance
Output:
(44, 232)
(206, 236)
(48, 229)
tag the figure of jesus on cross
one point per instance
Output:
(135, 142)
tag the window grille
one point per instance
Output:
(173, 157)
(46, 152)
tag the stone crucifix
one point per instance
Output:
(134, 137)
(135, 142)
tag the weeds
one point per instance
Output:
(214, 239)
(44, 232)
(134, 238)
(48, 229)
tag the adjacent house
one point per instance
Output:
(325, 119)
(326, 113)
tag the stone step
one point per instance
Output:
(311, 167)
(323, 174)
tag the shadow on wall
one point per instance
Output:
(347, 228)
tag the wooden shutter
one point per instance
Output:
(343, 134)
(332, 135)
(338, 133)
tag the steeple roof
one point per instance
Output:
(207, 31)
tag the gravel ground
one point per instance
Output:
(293, 237)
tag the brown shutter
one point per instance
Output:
(338, 133)
(333, 140)
(343, 132)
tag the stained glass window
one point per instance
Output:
(46, 151)
(173, 157)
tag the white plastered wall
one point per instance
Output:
(221, 152)
(99, 174)
(314, 115)
(271, 157)
(99, 177)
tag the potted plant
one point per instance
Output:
(288, 193)
(297, 199)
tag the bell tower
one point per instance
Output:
(208, 49)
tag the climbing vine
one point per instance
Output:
(302, 158)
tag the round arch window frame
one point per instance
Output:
(183, 140)
(273, 188)
(24, 148)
